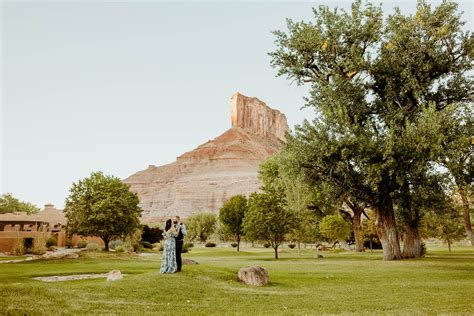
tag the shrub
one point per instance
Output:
(188, 245)
(185, 248)
(119, 249)
(234, 244)
(92, 246)
(423, 249)
(39, 245)
(82, 243)
(151, 234)
(266, 245)
(291, 246)
(115, 243)
(159, 247)
(18, 248)
(51, 242)
(210, 244)
(147, 245)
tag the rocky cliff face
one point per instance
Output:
(255, 116)
(202, 179)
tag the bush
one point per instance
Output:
(266, 245)
(423, 249)
(119, 249)
(51, 242)
(115, 243)
(291, 246)
(18, 248)
(234, 244)
(147, 245)
(185, 248)
(39, 245)
(159, 247)
(188, 245)
(151, 234)
(92, 246)
(82, 243)
(210, 244)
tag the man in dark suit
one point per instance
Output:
(181, 228)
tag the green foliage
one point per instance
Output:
(102, 206)
(335, 228)
(92, 246)
(119, 249)
(10, 204)
(446, 226)
(151, 234)
(147, 245)
(82, 244)
(210, 244)
(231, 216)
(116, 243)
(201, 226)
(268, 219)
(51, 242)
(380, 88)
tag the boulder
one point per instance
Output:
(114, 275)
(60, 255)
(256, 276)
(190, 261)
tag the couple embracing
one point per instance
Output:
(173, 234)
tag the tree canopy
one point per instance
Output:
(380, 87)
(102, 206)
(10, 204)
(231, 216)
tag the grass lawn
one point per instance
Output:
(338, 283)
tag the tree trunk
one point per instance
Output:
(387, 231)
(466, 215)
(276, 252)
(411, 242)
(356, 226)
(106, 243)
(238, 243)
(449, 245)
(299, 248)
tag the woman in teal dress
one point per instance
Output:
(168, 264)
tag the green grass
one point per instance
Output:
(338, 283)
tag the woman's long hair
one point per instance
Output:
(168, 225)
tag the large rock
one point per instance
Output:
(60, 255)
(202, 179)
(114, 275)
(256, 276)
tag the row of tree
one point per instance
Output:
(393, 128)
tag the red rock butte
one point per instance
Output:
(201, 180)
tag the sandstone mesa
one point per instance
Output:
(202, 179)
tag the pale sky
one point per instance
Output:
(114, 86)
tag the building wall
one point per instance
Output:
(8, 239)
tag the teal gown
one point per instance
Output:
(168, 265)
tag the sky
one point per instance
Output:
(115, 86)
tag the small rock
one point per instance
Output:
(257, 276)
(114, 275)
(190, 261)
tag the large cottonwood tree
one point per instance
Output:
(375, 85)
